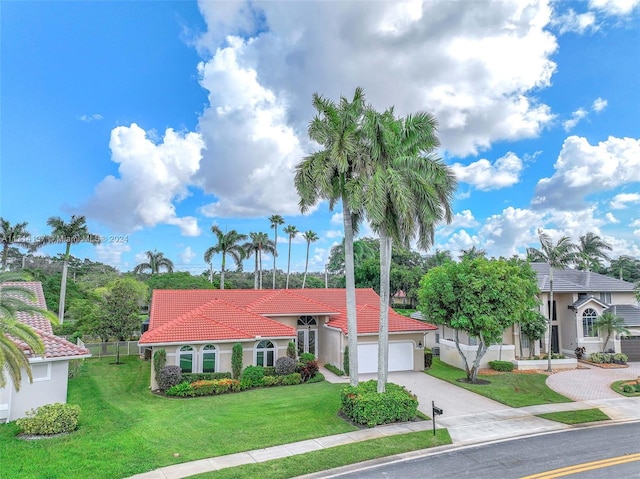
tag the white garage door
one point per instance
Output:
(400, 357)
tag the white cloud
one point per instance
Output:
(152, 177)
(622, 200)
(570, 21)
(486, 176)
(334, 234)
(583, 169)
(614, 7)
(337, 219)
(187, 255)
(90, 118)
(635, 223)
(508, 233)
(598, 105)
(576, 116)
(111, 253)
(610, 218)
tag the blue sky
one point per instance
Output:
(158, 119)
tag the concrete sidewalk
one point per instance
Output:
(469, 418)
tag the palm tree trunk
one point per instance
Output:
(255, 273)
(63, 285)
(222, 271)
(383, 333)
(260, 270)
(275, 245)
(289, 263)
(5, 253)
(306, 265)
(550, 317)
(352, 324)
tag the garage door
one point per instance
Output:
(400, 357)
(631, 347)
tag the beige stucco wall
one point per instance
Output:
(49, 386)
(450, 355)
(331, 344)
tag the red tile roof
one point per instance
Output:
(55, 347)
(218, 315)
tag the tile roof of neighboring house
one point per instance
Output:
(208, 315)
(55, 347)
(575, 281)
(629, 312)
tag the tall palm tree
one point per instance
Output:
(15, 299)
(155, 262)
(310, 237)
(259, 242)
(611, 324)
(228, 244)
(12, 235)
(362, 250)
(326, 174)
(275, 220)
(74, 232)
(408, 193)
(291, 231)
(558, 256)
(592, 251)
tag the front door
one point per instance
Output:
(307, 341)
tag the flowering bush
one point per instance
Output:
(50, 419)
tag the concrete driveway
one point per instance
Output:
(591, 383)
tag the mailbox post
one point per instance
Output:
(435, 411)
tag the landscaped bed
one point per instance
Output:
(627, 387)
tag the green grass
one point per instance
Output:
(404, 312)
(576, 417)
(617, 387)
(333, 457)
(512, 389)
(125, 429)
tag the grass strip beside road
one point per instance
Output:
(330, 458)
(511, 389)
(576, 417)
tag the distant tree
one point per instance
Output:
(275, 220)
(591, 251)
(438, 258)
(179, 280)
(309, 237)
(15, 299)
(120, 309)
(611, 325)
(291, 231)
(74, 232)
(557, 256)
(12, 235)
(228, 244)
(155, 262)
(363, 249)
(259, 242)
(626, 268)
(472, 253)
(480, 297)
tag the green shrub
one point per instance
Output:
(222, 386)
(620, 358)
(307, 370)
(364, 405)
(74, 367)
(504, 366)
(270, 371)
(236, 360)
(628, 388)
(169, 376)
(316, 378)
(193, 377)
(272, 380)
(285, 366)
(306, 357)
(182, 390)
(428, 358)
(345, 361)
(50, 419)
(334, 369)
(159, 361)
(292, 351)
(252, 376)
(291, 379)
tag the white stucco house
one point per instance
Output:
(50, 373)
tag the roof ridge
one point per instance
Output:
(312, 300)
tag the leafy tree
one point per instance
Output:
(310, 237)
(155, 262)
(533, 328)
(626, 268)
(120, 307)
(327, 175)
(15, 299)
(591, 251)
(610, 324)
(480, 297)
(363, 249)
(438, 258)
(12, 235)
(259, 242)
(291, 231)
(275, 220)
(228, 244)
(74, 232)
(472, 253)
(558, 256)
(178, 280)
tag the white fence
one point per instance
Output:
(101, 350)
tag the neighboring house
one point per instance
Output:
(579, 298)
(399, 299)
(198, 328)
(50, 373)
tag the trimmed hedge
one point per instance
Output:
(334, 369)
(503, 366)
(364, 405)
(600, 358)
(50, 419)
(204, 388)
(193, 377)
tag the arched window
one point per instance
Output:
(209, 359)
(307, 321)
(589, 317)
(185, 359)
(265, 353)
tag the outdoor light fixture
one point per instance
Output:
(419, 344)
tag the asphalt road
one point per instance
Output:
(524, 457)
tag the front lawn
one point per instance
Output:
(125, 429)
(576, 417)
(512, 389)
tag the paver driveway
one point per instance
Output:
(592, 383)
